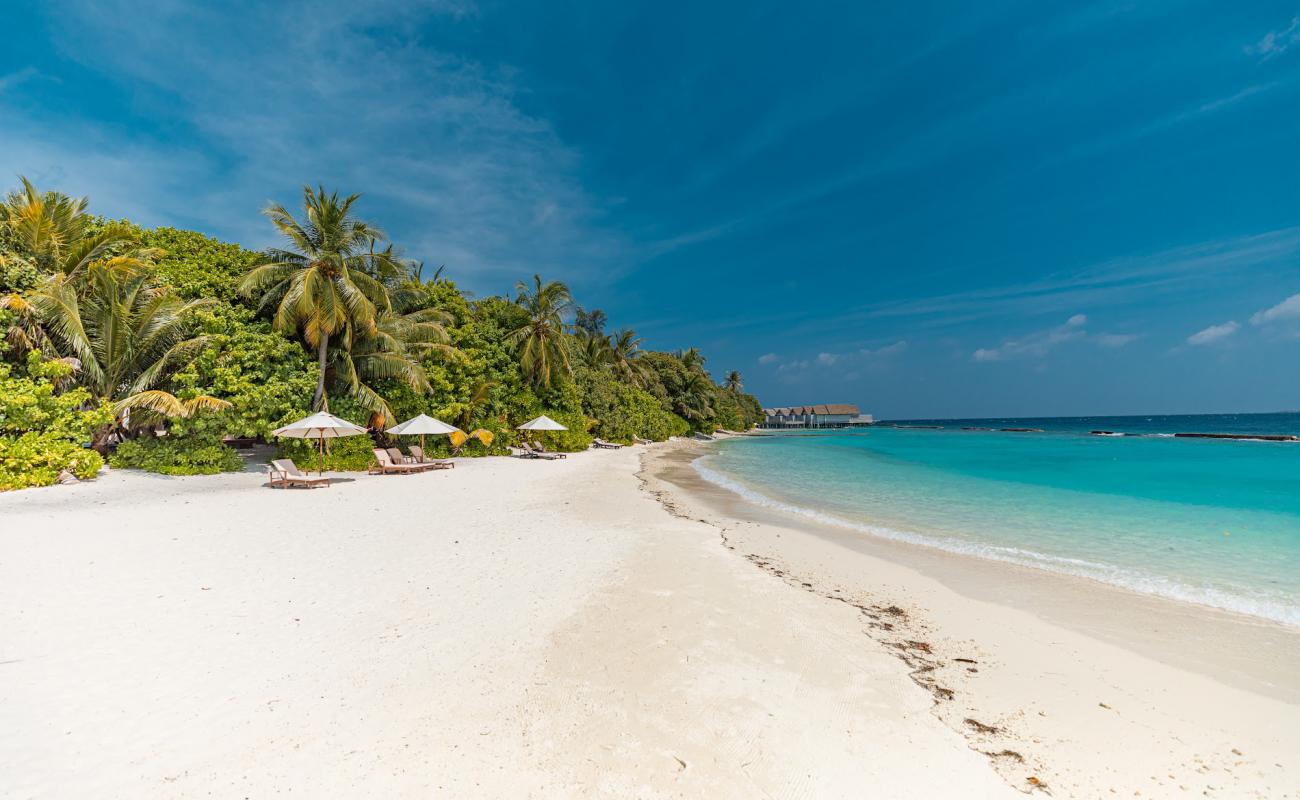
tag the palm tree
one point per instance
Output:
(392, 352)
(593, 349)
(733, 381)
(323, 286)
(128, 333)
(541, 339)
(691, 358)
(625, 351)
(592, 322)
(477, 401)
(54, 233)
(693, 403)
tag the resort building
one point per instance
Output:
(832, 415)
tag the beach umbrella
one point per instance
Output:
(321, 425)
(423, 425)
(542, 423)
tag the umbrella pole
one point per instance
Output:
(320, 462)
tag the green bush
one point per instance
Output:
(36, 459)
(177, 455)
(198, 265)
(43, 429)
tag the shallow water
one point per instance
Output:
(1208, 521)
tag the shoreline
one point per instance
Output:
(1187, 668)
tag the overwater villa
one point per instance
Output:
(832, 415)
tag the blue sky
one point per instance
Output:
(930, 209)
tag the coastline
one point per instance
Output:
(1070, 672)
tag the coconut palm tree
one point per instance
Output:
(323, 285)
(733, 381)
(625, 352)
(478, 399)
(128, 333)
(541, 340)
(592, 322)
(54, 233)
(593, 349)
(691, 357)
(392, 352)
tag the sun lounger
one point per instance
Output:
(384, 464)
(535, 451)
(544, 453)
(639, 440)
(283, 473)
(604, 445)
(417, 453)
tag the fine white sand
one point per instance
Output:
(1091, 690)
(509, 628)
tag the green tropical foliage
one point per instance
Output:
(540, 340)
(43, 427)
(113, 332)
(323, 285)
(127, 334)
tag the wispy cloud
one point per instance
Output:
(1275, 43)
(279, 95)
(1036, 344)
(1288, 309)
(1214, 333)
(863, 357)
(1116, 340)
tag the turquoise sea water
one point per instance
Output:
(1208, 521)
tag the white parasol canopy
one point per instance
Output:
(421, 425)
(322, 425)
(542, 423)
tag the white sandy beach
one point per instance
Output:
(527, 629)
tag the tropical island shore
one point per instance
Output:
(529, 629)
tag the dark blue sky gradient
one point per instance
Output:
(930, 209)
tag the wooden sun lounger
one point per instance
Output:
(384, 465)
(604, 445)
(639, 440)
(534, 452)
(417, 453)
(283, 473)
(542, 452)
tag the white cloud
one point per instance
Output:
(1287, 309)
(1275, 43)
(1213, 334)
(1116, 340)
(768, 358)
(885, 351)
(1036, 344)
(827, 359)
(290, 93)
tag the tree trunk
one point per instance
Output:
(99, 440)
(320, 402)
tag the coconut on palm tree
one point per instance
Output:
(322, 285)
(540, 340)
(128, 334)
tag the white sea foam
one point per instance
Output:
(1126, 578)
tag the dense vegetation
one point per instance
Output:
(150, 347)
